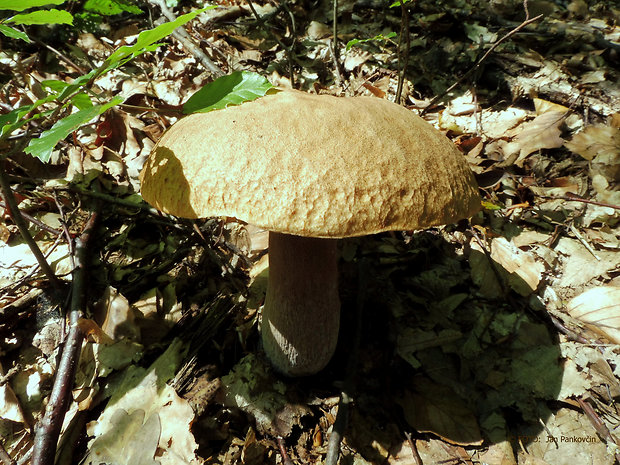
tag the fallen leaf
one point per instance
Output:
(578, 264)
(543, 132)
(10, 408)
(145, 416)
(567, 438)
(520, 269)
(596, 140)
(250, 387)
(599, 144)
(599, 308)
(434, 408)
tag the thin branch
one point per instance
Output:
(60, 55)
(414, 450)
(40, 224)
(48, 429)
(17, 217)
(404, 30)
(187, 42)
(599, 425)
(5, 458)
(474, 68)
(576, 198)
(264, 20)
(342, 417)
(285, 458)
(251, 5)
(334, 44)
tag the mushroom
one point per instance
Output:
(310, 169)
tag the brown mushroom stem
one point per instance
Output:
(301, 315)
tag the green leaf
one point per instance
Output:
(111, 7)
(82, 101)
(52, 16)
(8, 121)
(148, 38)
(11, 121)
(490, 206)
(54, 85)
(399, 2)
(21, 5)
(13, 33)
(77, 84)
(234, 89)
(379, 37)
(42, 147)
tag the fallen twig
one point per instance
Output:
(187, 42)
(285, 458)
(49, 428)
(474, 68)
(17, 217)
(402, 64)
(598, 425)
(5, 458)
(334, 43)
(342, 417)
(575, 198)
(414, 450)
(40, 224)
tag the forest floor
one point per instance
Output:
(492, 341)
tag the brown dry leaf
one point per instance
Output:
(5, 233)
(599, 308)
(317, 30)
(145, 417)
(499, 453)
(433, 408)
(93, 47)
(520, 269)
(601, 145)
(431, 451)
(251, 387)
(10, 408)
(492, 124)
(355, 58)
(598, 140)
(567, 439)
(575, 383)
(579, 265)
(543, 106)
(116, 316)
(17, 260)
(543, 132)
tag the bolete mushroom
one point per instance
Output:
(310, 169)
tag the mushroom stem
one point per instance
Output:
(301, 315)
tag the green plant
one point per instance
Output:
(94, 11)
(39, 16)
(67, 106)
(377, 38)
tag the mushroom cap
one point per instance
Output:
(311, 165)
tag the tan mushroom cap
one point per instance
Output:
(311, 165)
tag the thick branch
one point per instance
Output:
(48, 429)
